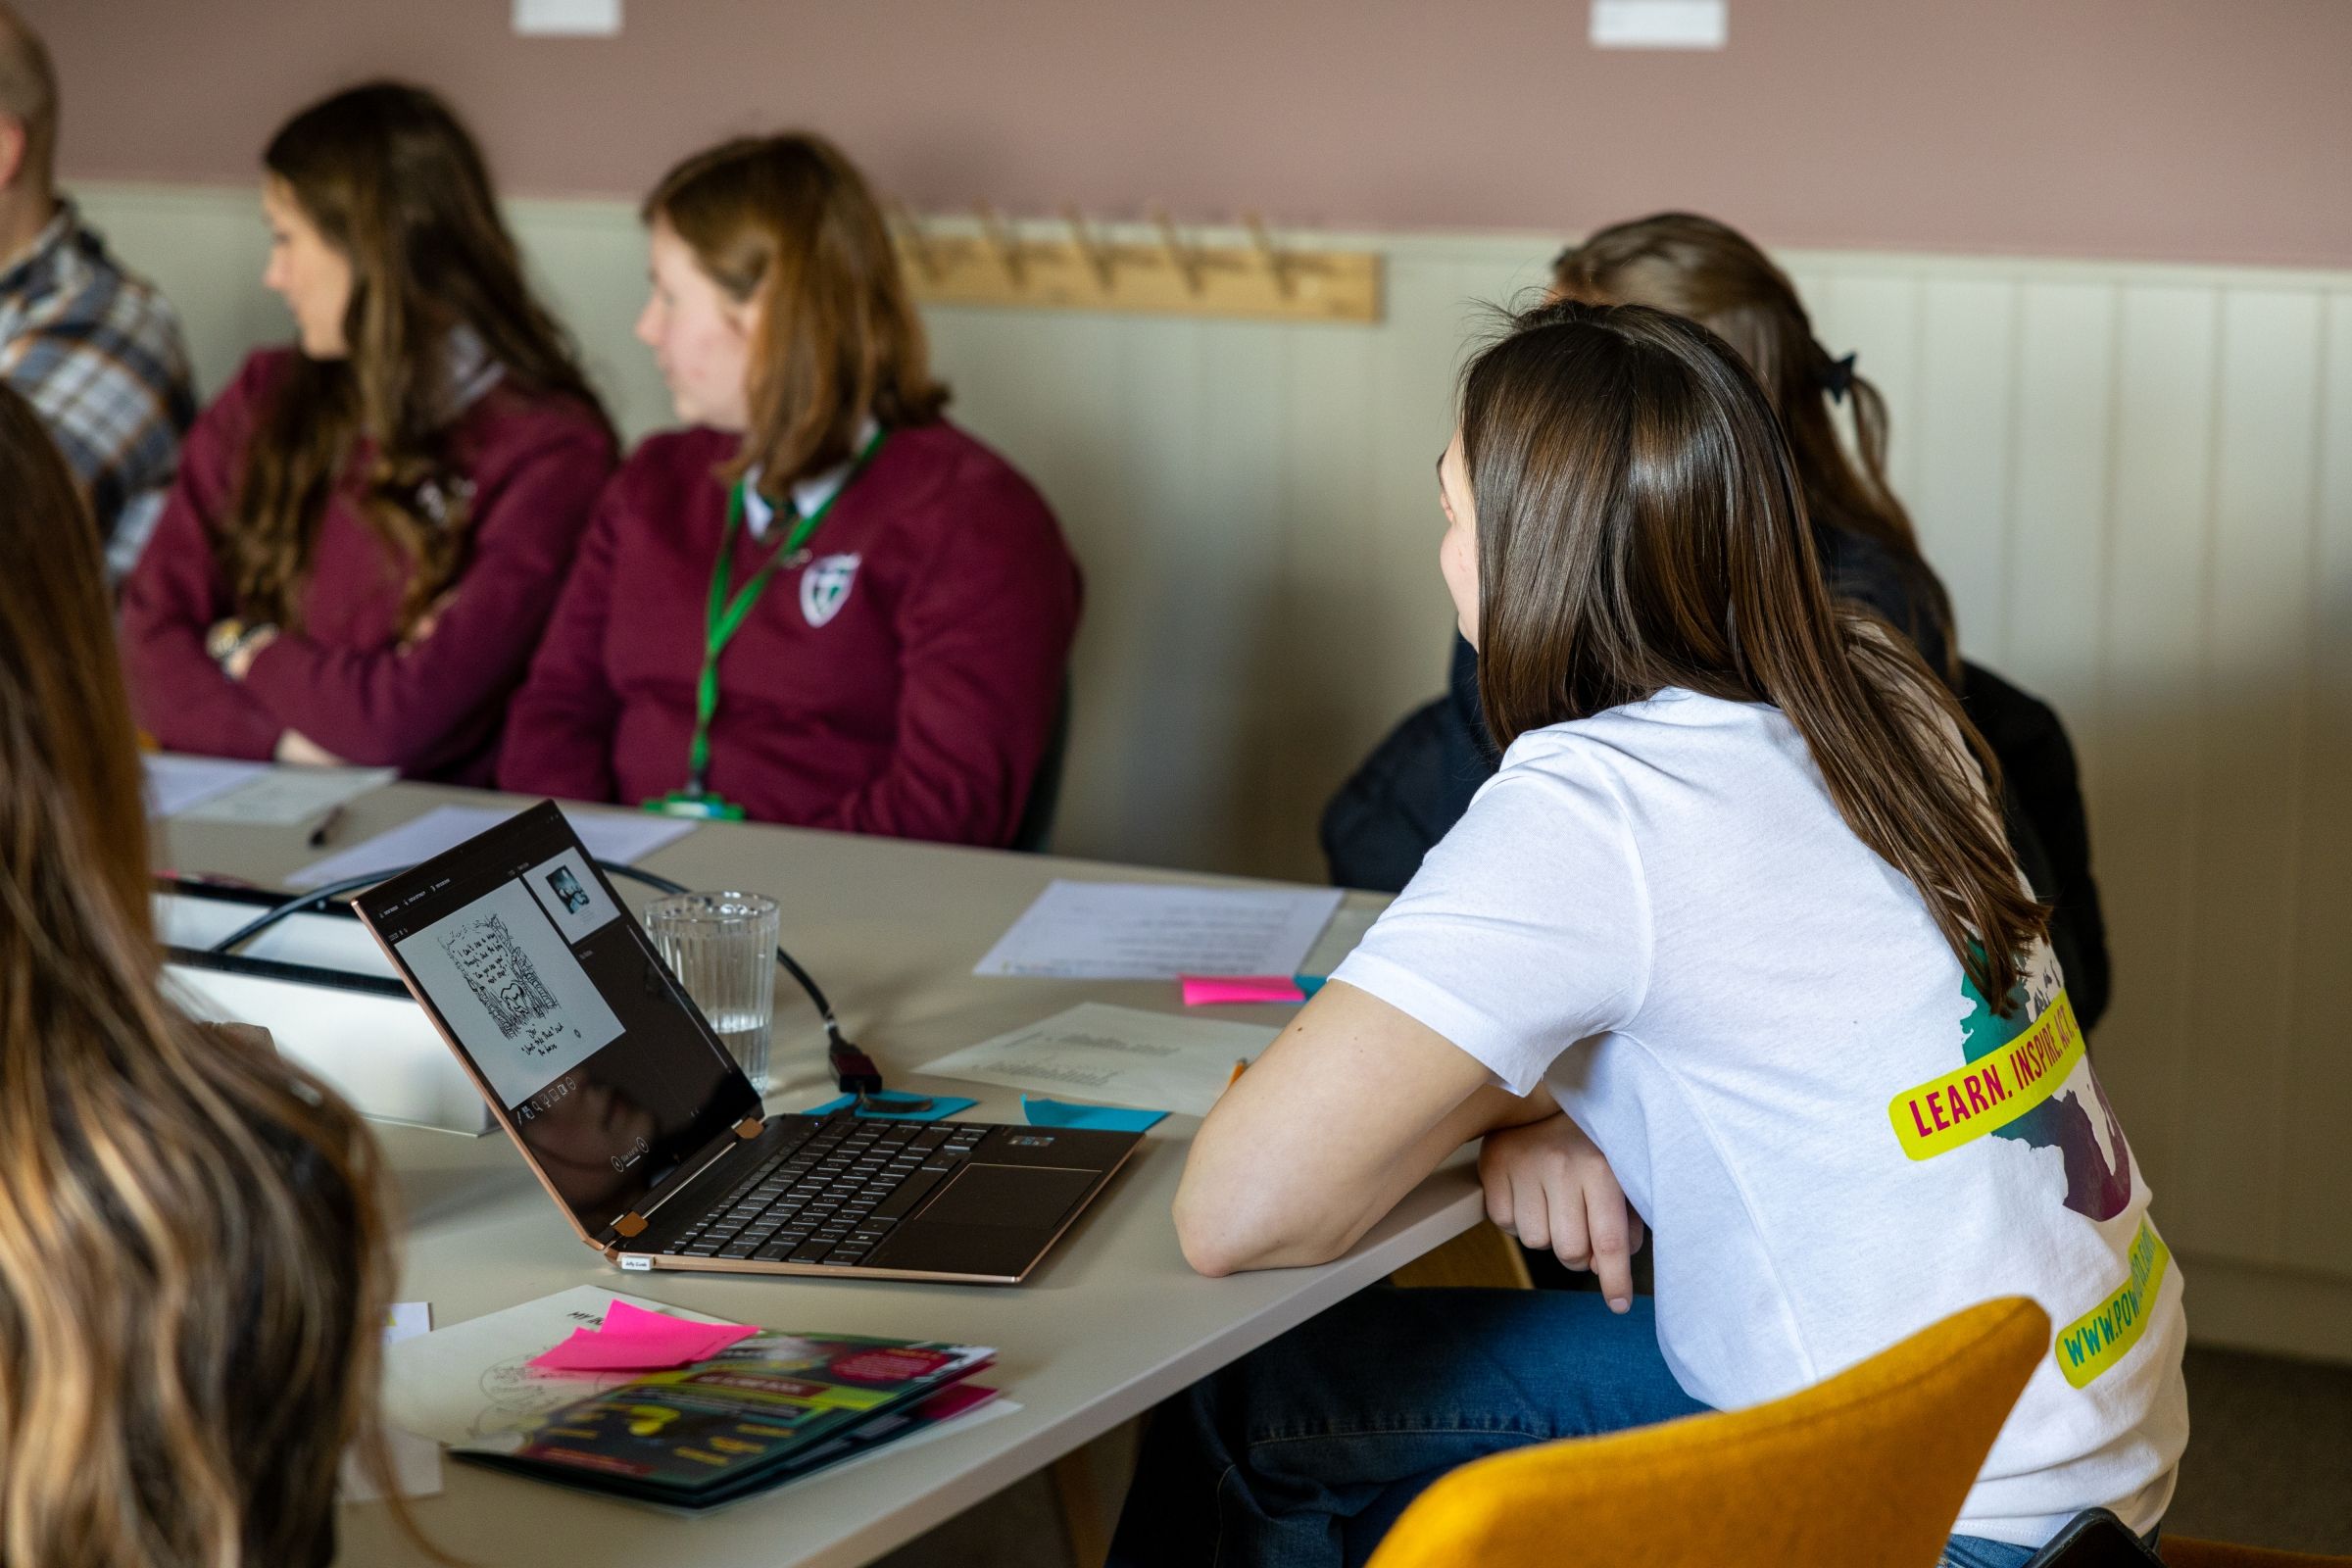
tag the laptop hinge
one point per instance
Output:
(634, 1223)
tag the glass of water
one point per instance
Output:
(722, 948)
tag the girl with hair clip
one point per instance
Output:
(823, 604)
(1737, 890)
(194, 1262)
(369, 532)
(1418, 783)
(1715, 275)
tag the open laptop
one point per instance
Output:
(642, 1127)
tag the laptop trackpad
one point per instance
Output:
(1020, 1197)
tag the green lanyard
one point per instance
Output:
(727, 613)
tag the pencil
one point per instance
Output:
(1241, 1066)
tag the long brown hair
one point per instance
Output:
(1718, 278)
(396, 185)
(787, 221)
(1640, 526)
(193, 1255)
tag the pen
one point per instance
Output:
(326, 825)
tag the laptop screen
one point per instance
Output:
(608, 1075)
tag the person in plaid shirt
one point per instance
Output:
(94, 349)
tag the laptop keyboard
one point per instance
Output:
(834, 1195)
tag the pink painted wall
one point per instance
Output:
(2182, 129)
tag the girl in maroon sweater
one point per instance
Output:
(823, 605)
(366, 537)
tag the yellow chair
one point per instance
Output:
(1869, 1467)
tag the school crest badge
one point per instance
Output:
(825, 587)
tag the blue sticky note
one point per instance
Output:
(1104, 1119)
(1309, 983)
(940, 1105)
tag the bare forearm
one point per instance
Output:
(1241, 1209)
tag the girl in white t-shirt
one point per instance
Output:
(1733, 927)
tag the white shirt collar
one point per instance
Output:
(469, 369)
(807, 496)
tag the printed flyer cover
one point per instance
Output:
(763, 1411)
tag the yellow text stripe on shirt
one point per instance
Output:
(1991, 1091)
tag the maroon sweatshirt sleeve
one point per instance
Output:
(177, 591)
(402, 706)
(558, 738)
(986, 636)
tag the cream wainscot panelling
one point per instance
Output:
(2136, 479)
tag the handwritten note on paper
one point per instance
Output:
(283, 797)
(610, 836)
(176, 783)
(1150, 931)
(1120, 1054)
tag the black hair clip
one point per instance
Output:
(1839, 380)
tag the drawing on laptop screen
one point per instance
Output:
(506, 983)
(512, 991)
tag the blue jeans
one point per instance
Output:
(1305, 1451)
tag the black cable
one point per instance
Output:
(316, 898)
(854, 1071)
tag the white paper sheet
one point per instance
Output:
(469, 1381)
(287, 797)
(1339, 939)
(1149, 931)
(1114, 1055)
(618, 836)
(175, 782)
(416, 1460)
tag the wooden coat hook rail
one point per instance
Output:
(1076, 264)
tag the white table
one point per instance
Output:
(1110, 1323)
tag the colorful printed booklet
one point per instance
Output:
(763, 1411)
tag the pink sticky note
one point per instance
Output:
(590, 1352)
(633, 1340)
(1209, 990)
(635, 1322)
